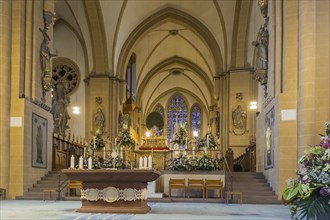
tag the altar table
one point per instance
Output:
(113, 191)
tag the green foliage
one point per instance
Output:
(314, 207)
(154, 118)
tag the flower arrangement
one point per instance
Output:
(180, 137)
(124, 138)
(205, 163)
(309, 193)
(180, 163)
(208, 141)
(114, 162)
(97, 143)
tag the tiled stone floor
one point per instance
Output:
(64, 210)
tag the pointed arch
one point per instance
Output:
(160, 109)
(180, 17)
(177, 112)
(196, 118)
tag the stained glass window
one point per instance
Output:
(196, 116)
(159, 109)
(177, 110)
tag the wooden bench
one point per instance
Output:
(196, 184)
(50, 191)
(213, 185)
(177, 184)
(239, 194)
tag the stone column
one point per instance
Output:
(224, 115)
(5, 69)
(306, 75)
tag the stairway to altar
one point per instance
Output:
(255, 188)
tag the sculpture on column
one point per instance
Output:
(99, 118)
(239, 115)
(46, 55)
(59, 108)
(260, 57)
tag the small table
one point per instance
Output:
(113, 191)
(240, 195)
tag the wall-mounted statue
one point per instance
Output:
(99, 120)
(46, 55)
(60, 103)
(239, 115)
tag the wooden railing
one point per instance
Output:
(247, 161)
(64, 148)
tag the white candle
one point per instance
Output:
(94, 141)
(145, 162)
(115, 142)
(170, 144)
(121, 153)
(193, 152)
(72, 162)
(90, 163)
(149, 162)
(81, 162)
(104, 153)
(207, 141)
(84, 152)
(141, 163)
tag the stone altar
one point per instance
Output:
(113, 191)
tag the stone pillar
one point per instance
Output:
(5, 69)
(224, 115)
(306, 75)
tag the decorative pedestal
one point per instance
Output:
(113, 191)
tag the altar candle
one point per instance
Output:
(81, 162)
(170, 144)
(115, 142)
(193, 153)
(90, 163)
(140, 163)
(145, 162)
(84, 152)
(94, 141)
(72, 162)
(104, 153)
(121, 153)
(207, 141)
(149, 162)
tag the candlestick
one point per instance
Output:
(90, 163)
(193, 153)
(72, 162)
(84, 152)
(116, 143)
(81, 162)
(170, 144)
(149, 162)
(140, 163)
(145, 162)
(94, 141)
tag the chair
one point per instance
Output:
(74, 184)
(239, 194)
(196, 184)
(213, 185)
(2, 194)
(177, 184)
(50, 191)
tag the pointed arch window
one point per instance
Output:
(177, 108)
(131, 79)
(196, 117)
(159, 108)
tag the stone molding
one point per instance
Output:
(112, 194)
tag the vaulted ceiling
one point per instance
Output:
(200, 38)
